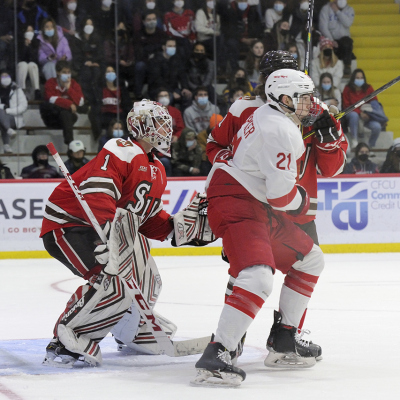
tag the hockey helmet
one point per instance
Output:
(151, 122)
(277, 59)
(294, 84)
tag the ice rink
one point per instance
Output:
(354, 315)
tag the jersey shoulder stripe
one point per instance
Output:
(242, 104)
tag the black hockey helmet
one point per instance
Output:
(277, 59)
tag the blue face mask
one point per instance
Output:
(242, 6)
(189, 143)
(326, 86)
(202, 100)
(170, 51)
(65, 77)
(359, 82)
(118, 133)
(49, 32)
(111, 76)
(279, 7)
(295, 56)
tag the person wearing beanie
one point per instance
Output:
(76, 156)
(327, 61)
(40, 169)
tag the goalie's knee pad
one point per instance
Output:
(313, 263)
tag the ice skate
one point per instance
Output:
(215, 368)
(314, 349)
(58, 356)
(284, 349)
(235, 354)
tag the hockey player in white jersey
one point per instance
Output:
(243, 195)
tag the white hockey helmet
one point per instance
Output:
(151, 122)
(294, 84)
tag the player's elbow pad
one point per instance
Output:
(305, 203)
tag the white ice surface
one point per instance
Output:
(354, 315)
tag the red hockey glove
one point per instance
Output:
(305, 203)
(223, 156)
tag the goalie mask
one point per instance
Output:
(151, 122)
(300, 88)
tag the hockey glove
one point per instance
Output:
(223, 156)
(327, 128)
(305, 203)
(101, 252)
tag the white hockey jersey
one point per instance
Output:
(265, 152)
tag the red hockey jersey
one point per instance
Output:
(313, 161)
(63, 97)
(121, 175)
(180, 25)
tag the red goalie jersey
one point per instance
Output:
(121, 175)
(314, 160)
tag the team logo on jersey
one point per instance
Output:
(124, 143)
(348, 202)
(181, 231)
(142, 168)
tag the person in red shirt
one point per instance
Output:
(179, 23)
(354, 91)
(64, 99)
(125, 174)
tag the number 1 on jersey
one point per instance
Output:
(106, 159)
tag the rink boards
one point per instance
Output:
(355, 214)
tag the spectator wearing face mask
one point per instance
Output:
(279, 37)
(40, 169)
(327, 61)
(103, 15)
(76, 156)
(335, 20)
(64, 99)
(294, 51)
(300, 18)
(197, 116)
(147, 42)
(13, 104)
(179, 24)
(114, 131)
(6, 35)
(186, 155)
(53, 47)
(70, 17)
(392, 161)
(238, 80)
(361, 164)
(330, 94)
(164, 97)
(354, 91)
(141, 10)
(276, 13)
(28, 46)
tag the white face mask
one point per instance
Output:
(71, 6)
(342, 3)
(179, 4)
(151, 5)
(107, 3)
(304, 6)
(29, 35)
(6, 81)
(88, 29)
(210, 4)
(164, 100)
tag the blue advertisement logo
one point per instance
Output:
(348, 202)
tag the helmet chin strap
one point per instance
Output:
(273, 98)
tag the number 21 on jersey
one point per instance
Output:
(284, 161)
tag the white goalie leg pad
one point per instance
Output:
(252, 287)
(298, 286)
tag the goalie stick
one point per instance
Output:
(165, 344)
(361, 102)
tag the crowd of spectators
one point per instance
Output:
(89, 57)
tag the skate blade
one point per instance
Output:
(288, 360)
(214, 379)
(64, 362)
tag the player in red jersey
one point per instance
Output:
(125, 174)
(325, 153)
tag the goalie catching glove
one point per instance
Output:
(191, 224)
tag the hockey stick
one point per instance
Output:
(309, 42)
(166, 345)
(361, 102)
